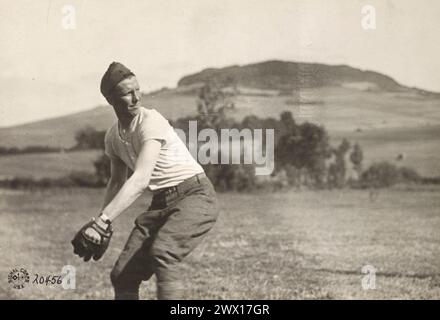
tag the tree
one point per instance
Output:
(212, 105)
(89, 138)
(306, 146)
(356, 158)
(102, 169)
(252, 122)
(337, 170)
(288, 123)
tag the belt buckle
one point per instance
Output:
(170, 191)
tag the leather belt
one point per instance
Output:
(181, 188)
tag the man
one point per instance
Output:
(184, 205)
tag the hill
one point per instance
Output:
(287, 76)
(387, 121)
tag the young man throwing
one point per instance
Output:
(184, 206)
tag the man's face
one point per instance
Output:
(126, 96)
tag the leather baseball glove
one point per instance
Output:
(92, 240)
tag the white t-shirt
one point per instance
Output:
(175, 163)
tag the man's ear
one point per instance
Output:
(109, 98)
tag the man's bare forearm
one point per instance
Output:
(136, 184)
(111, 190)
(129, 192)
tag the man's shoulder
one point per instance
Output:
(152, 125)
(111, 131)
(151, 117)
(150, 114)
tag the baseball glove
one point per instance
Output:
(86, 247)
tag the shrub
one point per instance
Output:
(89, 138)
(409, 175)
(75, 179)
(84, 179)
(102, 169)
(380, 175)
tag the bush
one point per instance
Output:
(89, 138)
(409, 175)
(102, 169)
(430, 180)
(75, 179)
(84, 179)
(29, 149)
(231, 177)
(385, 174)
(31, 183)
(380, 175)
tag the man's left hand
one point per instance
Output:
(92, 239)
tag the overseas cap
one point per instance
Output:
(115, 73)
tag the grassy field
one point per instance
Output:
(47, 165)
(290, 245)
(338, 109)
(420, 147)
(385, 124)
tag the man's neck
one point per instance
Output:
(124, 120)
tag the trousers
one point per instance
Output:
(176, 221)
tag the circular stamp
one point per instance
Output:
(18, 278)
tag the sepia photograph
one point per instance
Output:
(220, 150)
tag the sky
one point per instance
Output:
(48, 70)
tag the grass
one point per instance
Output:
(420, 147)
(339, 109)
(47, 165)
(385, 125)
(290, 245)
